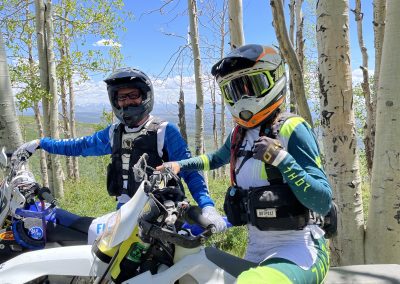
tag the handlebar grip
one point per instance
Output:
(193, 215)
(45, 194)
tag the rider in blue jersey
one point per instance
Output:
(131, 96)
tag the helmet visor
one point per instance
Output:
(251, 85)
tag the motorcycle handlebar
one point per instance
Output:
(170, 236)
(45, 194)
(193, 215)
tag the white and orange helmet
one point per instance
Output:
(253, 83)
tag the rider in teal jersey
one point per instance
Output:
(276, 171)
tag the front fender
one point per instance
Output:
(70, 261)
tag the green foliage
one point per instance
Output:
(74, 22)
(87, 197)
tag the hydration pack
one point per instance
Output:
(272, 207)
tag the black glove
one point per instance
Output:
(269, 150)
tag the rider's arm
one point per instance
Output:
(177, 149)
(209, 161)
(95, 145)
(302, 167)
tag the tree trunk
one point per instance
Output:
(299, 34)
(57, 169)
(368, 132)
(181, 112)
(292, 98)
(38, 119)
(64, 104)
(10, 133)
(379, 35)
(382, 243)
(338, 129)
(236, 23)
(65, 118)
(72, 122)
(194, 39)
(44, 78)
(289, 54)
(212, 88)
(223, 170)
(291, 22)
(43, 162)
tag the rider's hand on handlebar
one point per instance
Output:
(174, 166)
(212, 214)
(30, 147)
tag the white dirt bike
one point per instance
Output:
(29, 219)
(165, 253)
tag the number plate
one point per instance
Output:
(266, 213)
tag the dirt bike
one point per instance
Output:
(29, 218)
(165, 251)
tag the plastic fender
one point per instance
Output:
(73, 260)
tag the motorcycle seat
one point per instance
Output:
(232, 264)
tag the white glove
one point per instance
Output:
(30, 146)
(24, 151)
(212, 214)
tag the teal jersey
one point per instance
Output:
(301, 168)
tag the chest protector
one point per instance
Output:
(126, 151)
(273, 207)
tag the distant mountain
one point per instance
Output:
(92, 113)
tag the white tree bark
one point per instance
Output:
(338, 129)
(64, 104)
(72, 122)
(236, 23)
(65, 121)
(43, 161)
(379, 35)
(10, 133)
(58, 175)
(44, 78)
(38, 119)
(194, 39)
(383, 231)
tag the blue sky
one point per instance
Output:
(146, 47)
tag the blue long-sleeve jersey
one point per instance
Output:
(100, 143)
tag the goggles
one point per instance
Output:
(252, 85)
(135, 94)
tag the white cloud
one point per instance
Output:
(91, 92)
(357, 75)
(107, 42)
(165, 92)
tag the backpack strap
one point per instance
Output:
(236, 140)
